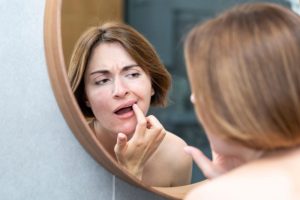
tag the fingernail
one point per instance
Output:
(120, 135)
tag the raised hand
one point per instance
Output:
(219, 165)
(148, 135)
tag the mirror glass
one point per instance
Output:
(164, 23)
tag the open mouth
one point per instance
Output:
(124, 110)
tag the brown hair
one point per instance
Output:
(244, 70)
(134, 43)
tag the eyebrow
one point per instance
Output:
(125, 68)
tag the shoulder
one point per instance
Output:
(174, 156)
(257, 180)
(173, 145)
(171, 138)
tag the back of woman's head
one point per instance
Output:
(244, 70)
(136, 45)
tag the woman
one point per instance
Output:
(244, 70)
(116, 75)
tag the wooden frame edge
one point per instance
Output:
(71, 112)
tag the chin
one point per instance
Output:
(128, 128)
(128, 131)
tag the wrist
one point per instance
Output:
(136, 172)
(133, 170)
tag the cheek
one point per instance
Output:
(223, 146)
(102, 111)
(98, 104)
(146, 92)
(98, 100)
(142, 90)
(142, 87)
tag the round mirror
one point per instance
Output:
(69, 107)
(61, 34)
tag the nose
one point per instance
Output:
(120, 88)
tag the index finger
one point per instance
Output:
(140, 117)
(204, 163)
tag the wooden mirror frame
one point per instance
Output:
(71, 111)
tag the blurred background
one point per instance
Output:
(164, 23)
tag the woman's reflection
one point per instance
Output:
(116, 75)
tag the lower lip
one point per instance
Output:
(126, 115)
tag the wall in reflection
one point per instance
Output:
(78, 15)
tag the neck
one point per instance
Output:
(105, 137)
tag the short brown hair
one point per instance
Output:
(244, 70)
(138, 47)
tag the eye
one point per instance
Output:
(102, 81)
(133, 75)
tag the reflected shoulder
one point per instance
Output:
(174, 145)
(171, 151)
(173, 138)
(175, 156)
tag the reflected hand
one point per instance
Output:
(148, 135)
(218, 166)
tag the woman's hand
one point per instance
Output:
(219, 165)
(148, 135)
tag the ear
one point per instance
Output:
(152, 92)
(87, 103)
(192, 98)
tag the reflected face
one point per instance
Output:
(113, 83)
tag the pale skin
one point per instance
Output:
(119, 93)
(274, 176)
(237, 172)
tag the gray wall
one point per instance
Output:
(39, 156)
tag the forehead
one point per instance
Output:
(108, 55)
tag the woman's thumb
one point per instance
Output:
(121, 142)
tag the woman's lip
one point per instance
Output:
(125, 105)
(126, 115)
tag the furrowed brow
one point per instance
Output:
(104, 71)
(128, 67)
(100, 72)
